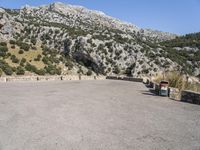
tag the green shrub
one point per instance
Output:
(8, 54)
(14, 69)
(116, 70)
(145, 71)
(21, 51)
(4, 44)
(12, 42)
(52, 70)
(45, 60)
(89, 72)
(20, 71)
(14, 59)
(13, 46)
(40, 72)
(8, 70)
(5, 68)
(58, 71)
(38, 58)
(25, 46)
(33, 40)
(80, 71)
(34, 48)
(129, 69)
(23, 60)
(69, 64)
(3, 50)
(1, 72)
(30, 67)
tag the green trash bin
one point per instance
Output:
(163, 88)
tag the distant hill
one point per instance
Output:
(186, 51)
(188, 40)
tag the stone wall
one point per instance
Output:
(174, 93)
(125, 78)
(3, 79)
(50, 78)
(190, 97)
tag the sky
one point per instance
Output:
(175, 16)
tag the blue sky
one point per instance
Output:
(176, 16)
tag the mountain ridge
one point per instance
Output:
(85, 38)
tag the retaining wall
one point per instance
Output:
(3, 79)
(125, 78)
(176, 94)
(190, 97)
(50, 78)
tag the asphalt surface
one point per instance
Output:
(94, 115)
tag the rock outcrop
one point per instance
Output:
(109, 44)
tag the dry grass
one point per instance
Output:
(28, 55)
(179, 81)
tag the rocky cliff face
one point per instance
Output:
(93, 39)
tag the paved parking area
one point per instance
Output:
(94, 115)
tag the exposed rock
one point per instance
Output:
(108, 43)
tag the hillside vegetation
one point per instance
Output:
(21, 58)
(185, 50)
(66, 39)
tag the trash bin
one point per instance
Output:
(163, 88)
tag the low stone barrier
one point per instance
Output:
(21, 78)
(2, 79)
(190, 97)
(133, 79)
(50, 78)
(124, 78)
(112, 77)
(174, 93)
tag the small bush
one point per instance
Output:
(25, 46)
(13, 46)
(5, 68)
(1, 72)
(4, 44)
(45, 60)
(8, 71)
(23, 60)
(30, 67)
(3, 50)
(14, 59)
(38, 58)
(69, 64)
(12, 42)
(40, 72)
(21, 51)
(33, 40)
(20, 71)
(116, 70)
(89, 72)
(52, 70)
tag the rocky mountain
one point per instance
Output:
(67, 39)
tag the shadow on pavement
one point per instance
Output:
(149, 92)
